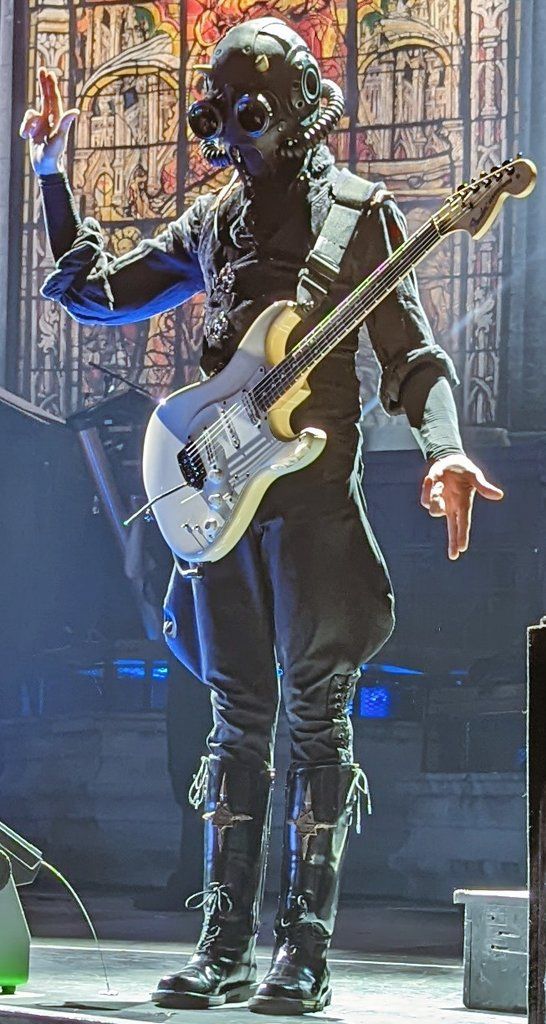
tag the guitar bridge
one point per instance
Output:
(192, 468)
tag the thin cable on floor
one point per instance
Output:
(74, 894)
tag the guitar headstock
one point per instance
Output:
(476, 204)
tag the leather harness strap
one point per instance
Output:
(323, 264)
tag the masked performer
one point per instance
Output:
(306, 586)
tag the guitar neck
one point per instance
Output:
(348, 315)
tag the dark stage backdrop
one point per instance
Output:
(436, 90)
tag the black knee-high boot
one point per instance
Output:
(237, 822)
(319, 806)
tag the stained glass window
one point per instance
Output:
(430, 92)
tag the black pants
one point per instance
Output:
(300, 603)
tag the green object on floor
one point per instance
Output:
(14, 933)
(19, 864)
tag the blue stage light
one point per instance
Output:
(374, 702)
(160, 670)
(130, 668)
(94, 671)
(390, 670)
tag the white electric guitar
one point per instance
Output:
(212, 449)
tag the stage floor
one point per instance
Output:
(67, 985)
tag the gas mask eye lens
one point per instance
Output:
(253, 113)
(310, 85)
(205, 119)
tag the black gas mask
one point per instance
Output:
(262, 107)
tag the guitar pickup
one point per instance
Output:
(192, 468)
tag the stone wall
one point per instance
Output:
(94, 794)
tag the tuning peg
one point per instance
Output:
(519, 156)
(506, 162)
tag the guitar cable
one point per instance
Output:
(54, 871)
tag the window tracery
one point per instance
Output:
(425, 112)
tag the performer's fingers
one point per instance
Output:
(42, 76)
(453, 547)
(430, 489)
(52, 98)
(464, 519)
(486, 489)
(30, 124)
(425, 492)
(66, 121)
(437, 506)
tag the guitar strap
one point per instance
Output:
(323, 264)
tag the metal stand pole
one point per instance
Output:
(102, 475)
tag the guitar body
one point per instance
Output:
(211, 450)
(211, 434)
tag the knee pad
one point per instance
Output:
(384, 622)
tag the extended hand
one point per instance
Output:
(47, 129)
(448, 490)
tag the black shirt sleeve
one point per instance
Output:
(417, 375)
(60, 213)
(95, 286)
(432, 414)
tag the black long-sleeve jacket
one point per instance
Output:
(245, 253)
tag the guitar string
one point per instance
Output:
(388, 281)
(376, 282)
(349, 319)
(448, 219)
(360, 304)
(352, 313)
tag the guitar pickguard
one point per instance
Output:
(215, 450)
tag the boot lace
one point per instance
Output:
(297, 911)
(295, 932)
(361, 787)
(215, 898)
(291, 922)
(198, 788)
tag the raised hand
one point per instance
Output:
(449, 489)
(47, 129)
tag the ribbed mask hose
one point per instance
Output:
(329, 117)
(215, 154)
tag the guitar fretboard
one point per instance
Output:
(346, 316)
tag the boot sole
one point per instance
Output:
(279, 1006)
(196, 1001)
